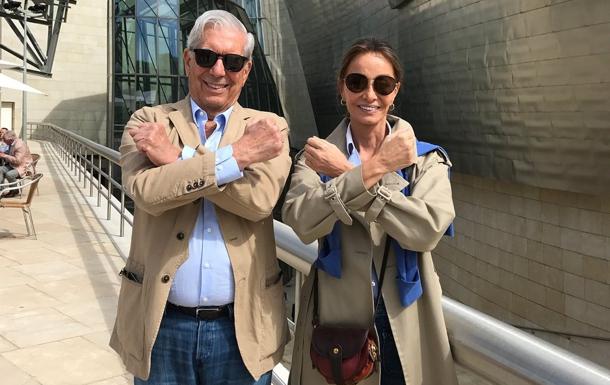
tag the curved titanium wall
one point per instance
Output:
(515, 90)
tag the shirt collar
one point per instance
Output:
(349, 140)
(220, 119)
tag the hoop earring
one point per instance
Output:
(392, 106)
(342, 102)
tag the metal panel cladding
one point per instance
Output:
(516, 90)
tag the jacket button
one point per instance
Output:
(165, 278)
(180, 235)
(189, 187)
(196, 184)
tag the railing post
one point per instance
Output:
(84, 159)
(99, 180)
(91, 178)
(109, 189)
(79, 159)
(122, 224)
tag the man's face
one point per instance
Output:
(215, 89)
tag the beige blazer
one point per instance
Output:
(168, 200)
(417, 222)
(20, 158)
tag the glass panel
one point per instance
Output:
(125, 37)
(146, 47)
(125, 7)
(169, 89)
(147, 8)
(169, 47)
(184, 88)
(124, 98)
(188, 10)
(148, 91)
(168, 8)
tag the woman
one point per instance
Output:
(368, 180)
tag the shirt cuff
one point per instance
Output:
(187, 153)
(227, 169)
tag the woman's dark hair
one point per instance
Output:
(367, 45)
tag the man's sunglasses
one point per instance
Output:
(383, 84)
(207, 58)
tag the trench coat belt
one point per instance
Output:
(203, 312)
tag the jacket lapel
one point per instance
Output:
(182, 119)
(337, 137)
(235, 126)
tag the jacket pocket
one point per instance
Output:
(273, 317)
(130, 317)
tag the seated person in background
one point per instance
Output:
(3, 146)
(17, 161)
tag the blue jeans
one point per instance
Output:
(188, 351)
(391, 368)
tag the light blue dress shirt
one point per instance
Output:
(354, 158)
(206, 277)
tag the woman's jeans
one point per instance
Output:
(391, 369)
(188, 351)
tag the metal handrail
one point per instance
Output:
(484, 345)
(80, 153)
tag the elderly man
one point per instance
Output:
(17, 160)
(201, 298)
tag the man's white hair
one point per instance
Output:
(219, 19)
(10, 135)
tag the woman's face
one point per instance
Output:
(369, 107)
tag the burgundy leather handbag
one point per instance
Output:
(343, 354)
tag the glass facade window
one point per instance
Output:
(150, 36)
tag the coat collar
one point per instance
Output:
(182, 119)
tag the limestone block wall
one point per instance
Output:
(77, 92)
(533, 257)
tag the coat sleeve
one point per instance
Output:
(312, 207)
(254, 195)
(156, 189)
(418, 221)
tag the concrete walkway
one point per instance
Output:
(58, 293)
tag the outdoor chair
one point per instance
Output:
(31, 184)
(35, 158)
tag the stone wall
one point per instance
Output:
(76, 94)
(536, 258)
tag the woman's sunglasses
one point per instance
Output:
(207, 58)
(383, 84)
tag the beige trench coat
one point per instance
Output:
(417, 222)
(168, 201)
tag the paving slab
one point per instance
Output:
(58, 293)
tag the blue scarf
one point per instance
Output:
(408, 279)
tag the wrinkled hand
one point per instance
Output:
(151, 139)
(397, 151)
(262, 140)
(325, 158)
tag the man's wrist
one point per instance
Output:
(240, 156)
